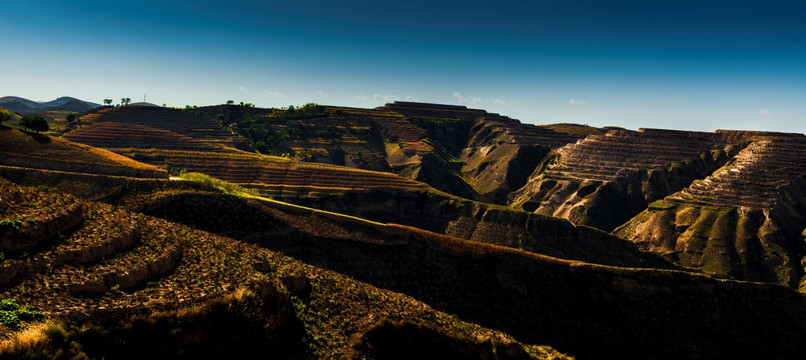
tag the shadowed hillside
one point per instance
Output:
(488, 223)
(109, 283)
(585, 310)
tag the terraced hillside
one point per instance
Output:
(115, 135)
(103, 282)
(183, 140)
(275, 176)
(496, 154)
(604, 180)
(165, 124)
(589, 311)
(448, 147)
(746, 220)
(22, 149)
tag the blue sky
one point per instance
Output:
(698, 65)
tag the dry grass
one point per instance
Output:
(32, 339)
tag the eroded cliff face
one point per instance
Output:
(466, 152)
(495, 164)
(603, 181)
(745, 221)
(502, 153)
(736, 242)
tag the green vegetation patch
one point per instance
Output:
(13, 315)
(662, 205)
(226, 187)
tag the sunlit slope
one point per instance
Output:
(604, 180)
(29, 150)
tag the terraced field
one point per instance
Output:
(165, 124)
(28, 150)
(760, 176)
(494, 154)
(745, 220)
(179, 140)
(627, 168)
(274, 176)
(73, 248)
(110, 134)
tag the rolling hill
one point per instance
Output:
(65, 103)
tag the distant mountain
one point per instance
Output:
(22, 101)
(144, 104)
(65, 103)
(67, 100)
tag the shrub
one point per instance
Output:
(4, 115)
(11, 223)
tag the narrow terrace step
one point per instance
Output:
(104, 233)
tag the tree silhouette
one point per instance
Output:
(125, 101)
(230, 102)
(108, 102)
(36, 123)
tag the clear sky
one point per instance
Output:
(686, 64)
